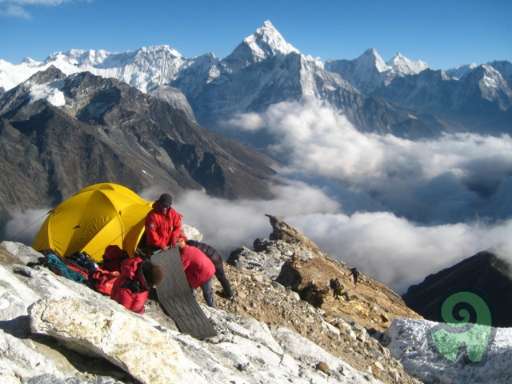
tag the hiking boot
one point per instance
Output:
(224, 295)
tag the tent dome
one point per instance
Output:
(97, 216)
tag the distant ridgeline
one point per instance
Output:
(402, 97)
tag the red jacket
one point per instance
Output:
(198, 267)
(163, 229)
(125, 288)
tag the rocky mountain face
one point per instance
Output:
(483, 271)
(61, 133)
(56, 330)
(402, 97)
(479, 101)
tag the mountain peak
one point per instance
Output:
(403, 65)
(29, 61)
(371, 58)
(267, 41)
(461, 70)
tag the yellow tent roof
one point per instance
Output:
(97, 216)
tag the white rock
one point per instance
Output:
(303, 349)
(19, 359)
(129, 342)
(294, 296)
(24, 253)
(330, 328)
(191, 232)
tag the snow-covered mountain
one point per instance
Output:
(369, 70)
(261, 45)
(461, 70)
(264, 69)
(142, 69)
(59, 133)
(147, 69)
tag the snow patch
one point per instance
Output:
(51, 92)
(409, 343)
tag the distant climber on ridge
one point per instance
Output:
(354, 272)
(336, 287)
(163, 225)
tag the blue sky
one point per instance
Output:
(442, 33)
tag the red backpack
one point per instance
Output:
(102, 280)
(113, 258)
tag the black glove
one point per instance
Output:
(132, 285)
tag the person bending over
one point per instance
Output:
(216, 258)
(132, 287)
(199, 270)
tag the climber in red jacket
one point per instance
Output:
(163, 225)
(199, 270)
(131, 288)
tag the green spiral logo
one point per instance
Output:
(467, 319)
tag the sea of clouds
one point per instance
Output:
(396, 209)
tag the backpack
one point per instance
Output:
(102, 280)
(113, 258)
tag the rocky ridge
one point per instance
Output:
(267, 334)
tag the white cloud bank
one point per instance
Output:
(455, 178)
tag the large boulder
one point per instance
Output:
(148, 354)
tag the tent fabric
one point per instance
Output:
(97, 216)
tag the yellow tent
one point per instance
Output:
(97, 216)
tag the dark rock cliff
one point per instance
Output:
(484, 271)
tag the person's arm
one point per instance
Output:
(176, 233)
(125, 298)
(152, 237)
(139, 299)
(184, 260)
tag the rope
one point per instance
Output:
(24, 229)
(59, 267)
